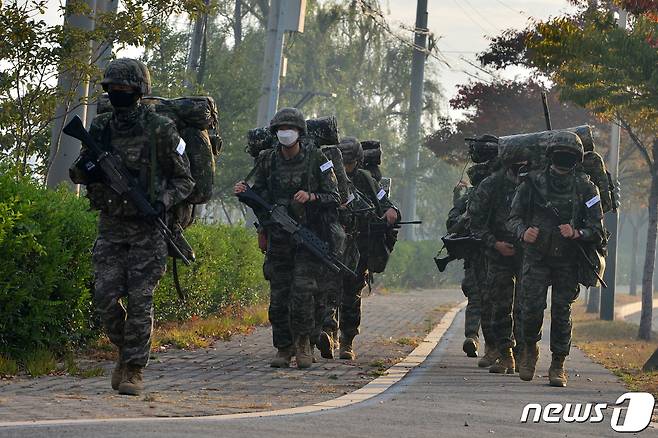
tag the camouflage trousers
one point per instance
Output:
(294, 292)
(341, 288)
(478, 308)
(506, 309)
(562, 276)
(132, 271)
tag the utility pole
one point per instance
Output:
(607, 311)
(415, 113)
(64, 149)
(284, 15)
(101, 53)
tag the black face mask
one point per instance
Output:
(564, 160)
(122, 99)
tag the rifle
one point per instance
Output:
(547, 114)
(458, 247)
(123, 183)
(384, 227)
(544, 203)
(301, 235)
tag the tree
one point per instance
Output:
(503, 107)
(34, 52)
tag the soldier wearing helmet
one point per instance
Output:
(488, 208)
(569, 211)
(130, 255)
(478, 308)
(344, 309)
(295, 174)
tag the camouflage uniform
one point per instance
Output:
(552, 259)
(129, 255)
(290, 269)
(489, 208)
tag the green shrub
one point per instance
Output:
(227, 272)
(46, 275)
(45, 267)
(412, 266)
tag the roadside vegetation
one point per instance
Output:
(46, 239)
(615, 345)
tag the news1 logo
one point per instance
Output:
(637, 418)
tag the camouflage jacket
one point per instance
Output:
(150, 148)
(577, 202)
(489, 207)
(277, 180)
(457, 218)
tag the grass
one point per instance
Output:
(8, 367)
(412, 342)
(201, 333)
(39, 362)
(614, 345)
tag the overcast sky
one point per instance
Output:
(462, 27)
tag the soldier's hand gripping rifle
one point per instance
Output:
(545, 204)
(121, 181)
(301, 235)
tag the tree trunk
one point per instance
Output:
(652, 363)
(650, 256)
(632, 287)
(594, 301)
(237, 23)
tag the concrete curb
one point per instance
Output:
(393, 375)
(629, 309)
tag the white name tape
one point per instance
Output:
(381, 194)
(350, 198)
(593, 201)
(181, 147)
(326, 166)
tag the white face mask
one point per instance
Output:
(287, 137)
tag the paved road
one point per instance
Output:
(447, 396)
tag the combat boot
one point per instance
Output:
(117, 374)
(346, 349)
(505, 364)
(303, 352)
(283, 357)
(490, 356)
(470, 346)
(557, 375)
(326, 345)
(529, 363)
(133, 381)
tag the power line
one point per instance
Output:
(485, 19)
(467, 15)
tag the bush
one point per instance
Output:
(46, 274)
(227, 272)
(412, 266)
(45, 267)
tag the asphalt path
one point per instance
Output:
(446, 396)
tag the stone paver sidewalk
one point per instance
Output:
(235, 376)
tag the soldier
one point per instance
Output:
(489, 208)
(478, 309)
(549, 247)
(296, 174)
(130, 255)
(349, 313)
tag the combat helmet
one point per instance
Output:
(289, 117)
(351, 149)
(127, 71)
(565, 141)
